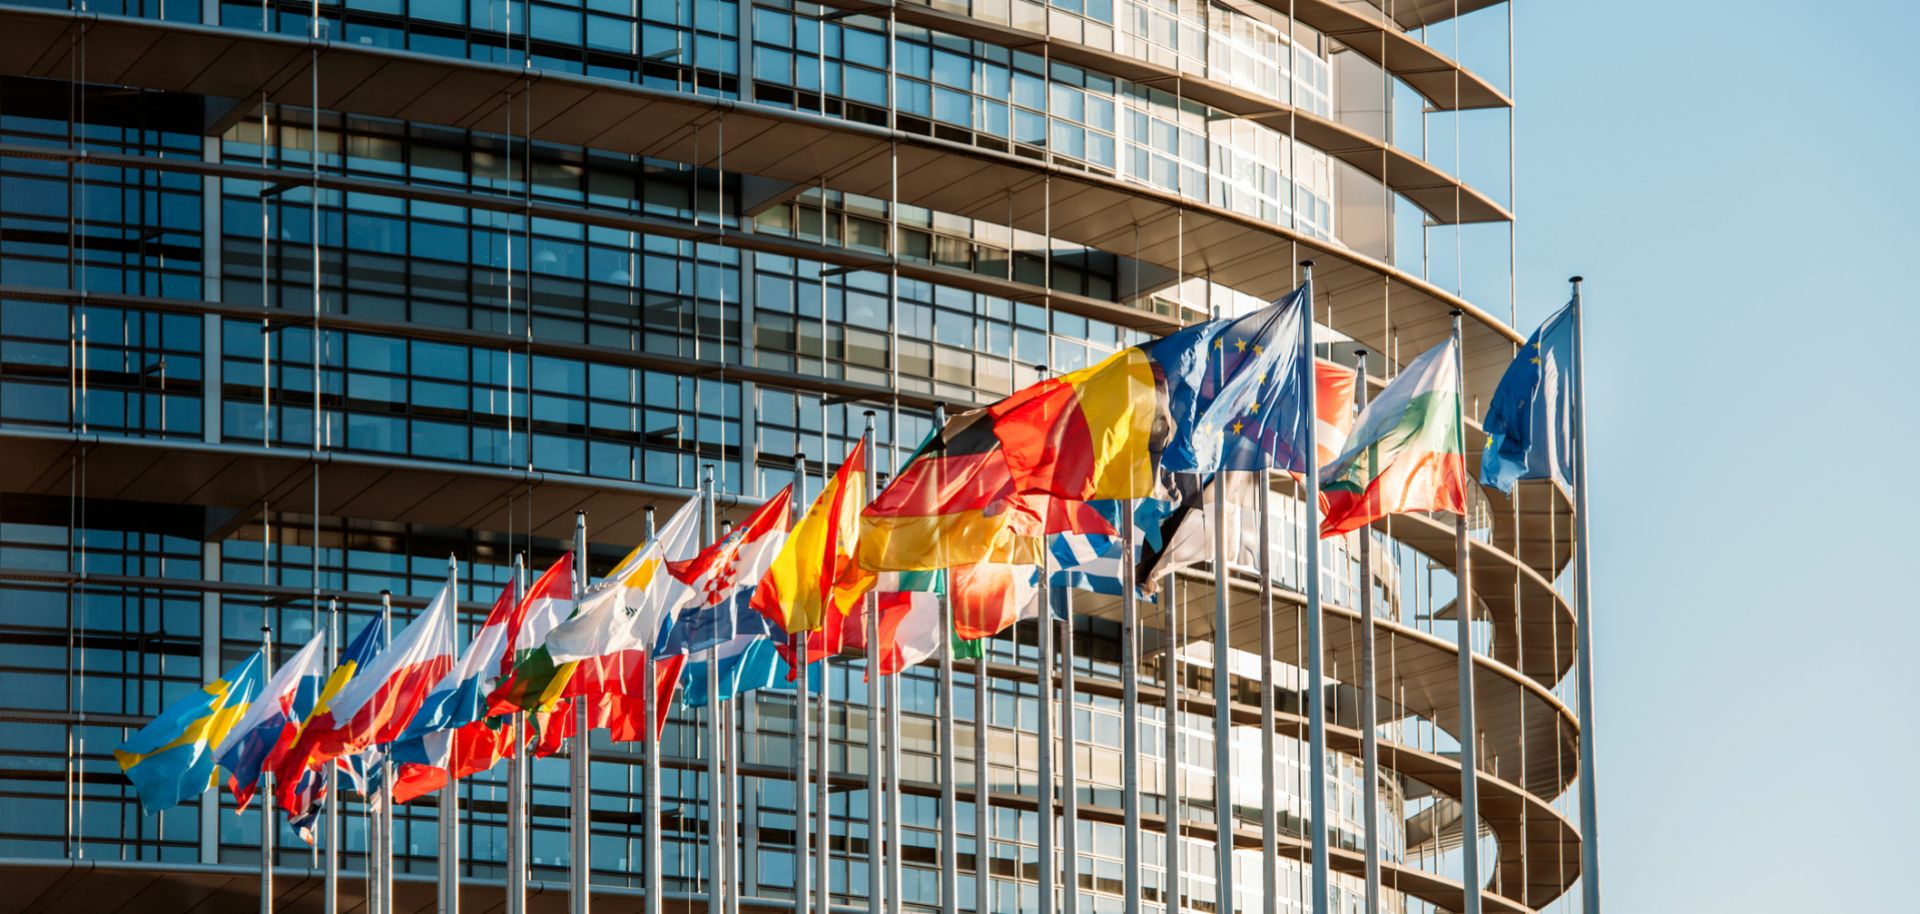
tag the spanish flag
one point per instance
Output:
(798, 593)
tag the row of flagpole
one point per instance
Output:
(883, 773)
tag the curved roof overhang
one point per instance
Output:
(1367, 31)
(1373, 301)
(1445, 198)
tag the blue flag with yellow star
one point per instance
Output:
(1226, 380)
(1530, 421)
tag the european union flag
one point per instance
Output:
(1530, 421)
(172, 758)
(1225, 382)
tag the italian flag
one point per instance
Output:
(1405, 452)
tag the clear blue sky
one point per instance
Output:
(1737, 183)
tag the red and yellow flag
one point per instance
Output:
(1086, 434)
(798, 591)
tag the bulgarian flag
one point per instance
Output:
(1405, 453)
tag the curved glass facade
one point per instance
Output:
(489, 304)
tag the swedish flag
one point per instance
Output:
(172, 757)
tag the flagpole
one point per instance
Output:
(1171, 750)
(1222, 694)
(1582, 627)
(650, 771)
(1269, 807)
(517, 781)
(876, 859)
(384, 816)
(982, 780)
(949, 795)
(579, 762)
(1369, 698)
(716, 859)
(823, 861)
(1069, 772)
(723, 709)
(1316, 646)
(803, 863)
(1049, 864)
(449, 830)
(1463, 637)
(266, 777)
(330, 889)
(1129, 711)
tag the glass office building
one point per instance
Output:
(292, 310)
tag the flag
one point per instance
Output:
(729, 568)
(1404, 454)
(172, 758)
(1178, 527)
(1183, 534)
(451, 733)
(267, 730)
(955, 503)
(1093, 562)
(303, 795)
(908, 627)
(988, 598)
(602, 648)
(528, 668)
(375, 706)
(798, 591)
(1530, 421)
(1225, 382)
(1084, 435)
(750, 661)
(1333, 407)
(628, 610)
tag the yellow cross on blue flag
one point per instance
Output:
(172, 758)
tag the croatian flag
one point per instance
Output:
(725, 573)
(272, 722)
(450, 733)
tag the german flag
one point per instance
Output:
(956, 503)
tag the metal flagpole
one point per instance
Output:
(1170, 752)
(1222, 695)
(802, 870)
(385, 800)
(266, 777)
(823, 861)
(1369, 687)
(1049, 865)
(330, 889)
(579, 765)
(517, 782)
(1463, 636)
(1582, 627)
(1129, 710)
(716, 857)
(982, 783)
(650, 771)
(1269, 811)
(1069, 771)
(1316, 647)
(949, 799)
(449, 830)
(875, 858)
